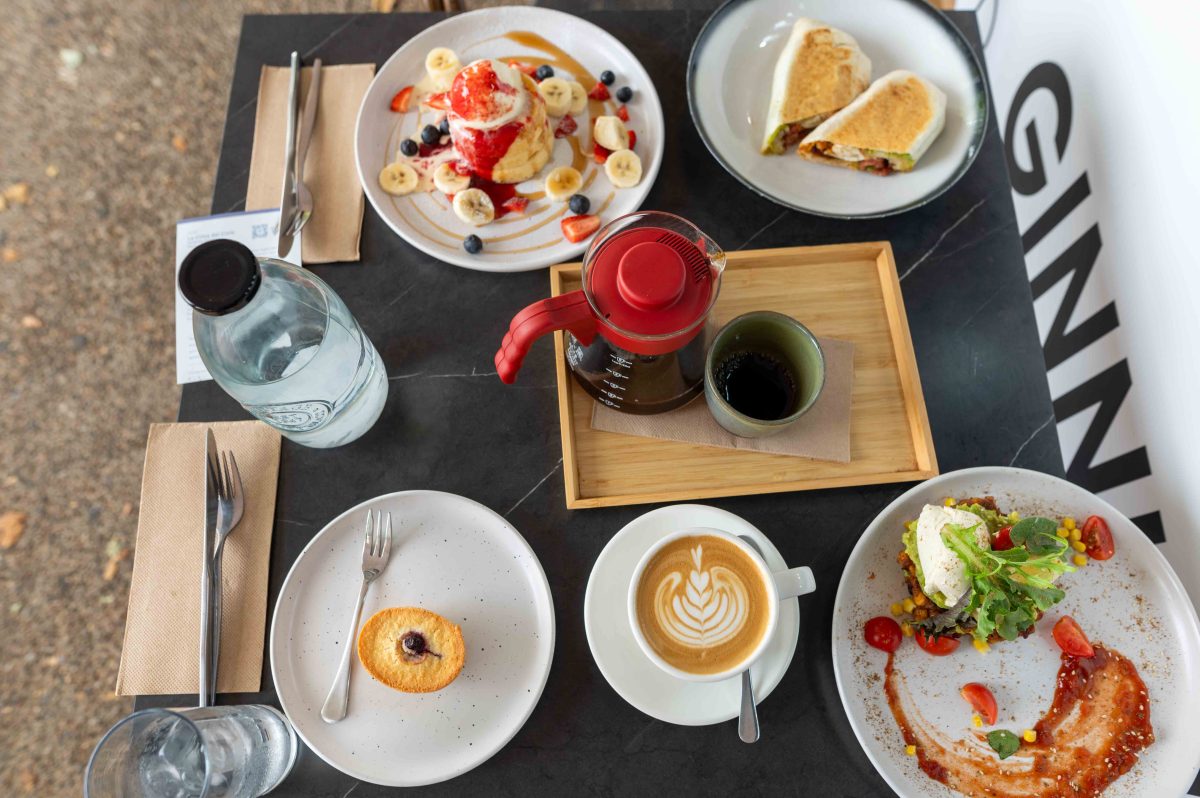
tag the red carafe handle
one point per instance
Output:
(566, 312)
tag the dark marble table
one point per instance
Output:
(455, 427)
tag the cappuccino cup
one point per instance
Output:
(703, 605)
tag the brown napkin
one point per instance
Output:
(823, 433)
(330, 172)
(162, 631)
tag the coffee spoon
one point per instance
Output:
(748, 719)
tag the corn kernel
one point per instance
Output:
(949, 502)
(896, 609)
(1030, 736)
(981, 646)
(911, 750)
(908, 605)
(906, 629)
(1062, 532)
(976, 721)
(1014, 515)
(1078, 546)
(1079, 560)
(1076, 534)
(1069, 522)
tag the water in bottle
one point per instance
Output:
(282, 343)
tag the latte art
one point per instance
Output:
(707, 608)
(702, 604)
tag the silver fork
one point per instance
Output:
(304, 200)
(230, 506)
(377, 545)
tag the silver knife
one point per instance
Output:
(287, 202)
(210, 526)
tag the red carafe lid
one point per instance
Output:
(651, 287)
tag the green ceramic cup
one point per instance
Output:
(784, 339)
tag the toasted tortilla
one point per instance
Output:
(820, 70)
(897, 118)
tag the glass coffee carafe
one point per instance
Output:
(638, 330)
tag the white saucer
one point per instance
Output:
(450, 555)
(631, 674)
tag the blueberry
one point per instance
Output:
(413, 642)
(579, 204)
(607, 77)
(430, 135)
(624, 94)
(544, 71)
(409, 147)
(473, 244)
(444, 127)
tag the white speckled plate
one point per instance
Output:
(729, 87)
(450, 555)
(1133, 603)
(511, 244)
(628, 670)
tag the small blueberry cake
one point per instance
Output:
(411, 649)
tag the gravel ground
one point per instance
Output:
(110, 121)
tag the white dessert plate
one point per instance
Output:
(1133, 603)
(628, 670)
(450, 555)
(511, 243)
(729, 87)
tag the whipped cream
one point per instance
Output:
(703, 608)
(507, 102)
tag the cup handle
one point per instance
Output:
(794, 582)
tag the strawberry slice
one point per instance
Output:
(600, 154)
(516, 205)
(440, 101)
(528, 69)
(599, 92)
(577, 228)
(632, 138)
(566, 127)
(401, 100)
(623, 114)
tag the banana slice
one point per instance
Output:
(398, 179)
(475, 207)
(449, 181)
(609, 132)
(624, 168)
(562, 182)
(579, 97)
(442, 64)
(557, 94)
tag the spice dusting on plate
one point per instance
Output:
(1093, 733)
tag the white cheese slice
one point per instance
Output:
(943, 571)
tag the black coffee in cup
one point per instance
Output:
(758, 384)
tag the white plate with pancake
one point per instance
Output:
(1133, 603)
(510, 244)
(729, 88)
(449, 555)
(628, 670)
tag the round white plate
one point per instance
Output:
(1132, 602)
(511, 244)
(628, 670)
(450, 555)
(729, 87)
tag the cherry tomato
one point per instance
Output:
(938, 646)
(1071, 639)
(883, 633)
(1003, 539)
(981, 700)
(1098, 538)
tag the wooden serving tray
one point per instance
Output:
(847, 291)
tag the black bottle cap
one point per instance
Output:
(219, 276)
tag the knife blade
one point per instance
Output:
(210, 526)
(287, 202)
